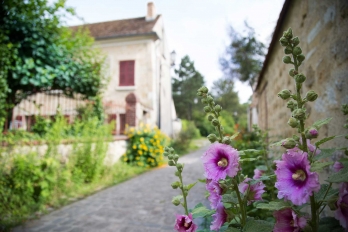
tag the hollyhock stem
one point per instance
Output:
(241, 203)
(183, 193)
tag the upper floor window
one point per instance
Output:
(127, 73)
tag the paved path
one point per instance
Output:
(140, 204)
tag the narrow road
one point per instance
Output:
(140, 204)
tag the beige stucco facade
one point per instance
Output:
(322, 27)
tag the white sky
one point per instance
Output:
(197, 28)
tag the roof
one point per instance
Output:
(121, 28)
(275, 40)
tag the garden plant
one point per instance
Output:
(296, 199)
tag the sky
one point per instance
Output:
(197, 28)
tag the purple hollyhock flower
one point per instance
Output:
(288, 221)
(337, 166)
(219, 161)
(219, 218)
(311, 147)
(255, 191)
(257, 174)
(295, 181)
(184, 223)
(341, 213)
(215, 193)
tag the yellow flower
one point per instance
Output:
(140, 152)
(137, 158)
(134, 147)
(141, 139)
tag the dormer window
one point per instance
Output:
(127, 73)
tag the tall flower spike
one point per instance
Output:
(295, 182)
(220, 160)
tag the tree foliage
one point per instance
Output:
(188, 79)
(40, 53)
(243, 57)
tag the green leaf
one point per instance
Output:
(320, 195)
(189, 186)
(321, 123)
(248, 159)
(258, 225)
(251, 152)
(341, 176)
(202, 180)
(229, 198)
(317, 166)
(324, 140)
(201, 211)
(329, 224)
(273, 205)
(325, 153)
(234, 136)
(279, 143)
(232, 229)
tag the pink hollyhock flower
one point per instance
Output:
(295, 182)
(219, 218)
(255, 190)
(288, 221)
(341, 213)
(337, 166)
(215, 193)
(184, 223)
(257, 174)
(219, 161)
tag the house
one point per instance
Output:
(138, 63)
(322, 27)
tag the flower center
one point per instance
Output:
(186, 225)
(299, 175)
(222, 163)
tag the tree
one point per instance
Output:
(42, 54)
(243, 57)
(185, 85)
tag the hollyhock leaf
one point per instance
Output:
(329, 224)
(201, 211)
(325, 153)
(248, 159)
(234, 136)
(262, 167)
(317, 166)
(324, 140)
(229, 198)
(260, 179)
(341, 176)
(190, 186)
(274, 205)
(257, 225)
(279, 143)
(251, 152)
(202, 180)
(231, 229)
(323, 188)
(321, 123)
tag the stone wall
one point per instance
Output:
(322, 27)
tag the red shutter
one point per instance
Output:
(122, 123)
(127, 73)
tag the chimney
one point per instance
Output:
(151, 11)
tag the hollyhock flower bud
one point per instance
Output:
(171, 163)
(255, 190)
(287, 50)
(337, 166)
(215, 122)
(204, 101)
(184, 223)
(203, 89)
(284, 94)
(288, 221)
(200, 94)
(219, 218)
(295, 181)
(176, 201)
(210, 117)
(301, 58)
(293, 122)
(283, 41)
(212, 138)
(288, 143)
(300, 78)
(210, 99)
(296, 138)
(288, 34)
(257, 174)
(295, 41)
(311, 133)
(175, 184)
(297, 51)
(170, 156)
(215, 192)
(176, 157)
(311, 96)
(341, 213)
(226, 140)
(299, 114)
(207, 109)
(291, 104)
(219, 161)
(287, 59)
(217, 108)
(179, 166)
(292, 72)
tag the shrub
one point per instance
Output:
(187, 133)
(145, 146)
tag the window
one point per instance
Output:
(127, 73)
